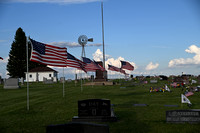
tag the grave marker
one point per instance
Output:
(11, 83)
(181, 116)
(94, 110)
(78, 127)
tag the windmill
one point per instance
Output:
(82, 40)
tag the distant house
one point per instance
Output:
(39, 73)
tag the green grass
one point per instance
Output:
(47, 106)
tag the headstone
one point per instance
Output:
(22, 81)
(47, 81)
(95, 110)
(11, 83)
(171, 105)
(100, 75)
(55, 79)
(78, 127)
(153, 81)
(62, 79)
(69, 80)
(139, 104)
(181, 116)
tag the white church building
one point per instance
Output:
(40, 73)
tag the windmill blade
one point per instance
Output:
(90, 40)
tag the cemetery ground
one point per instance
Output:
(48, 107)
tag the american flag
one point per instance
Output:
(113, 68)
(90, 65)
(1, 58)
(123, 71)
(101, 67)
(126, 65)
(48, 54)
(189, 94)
(75, 63)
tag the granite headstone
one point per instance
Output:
(182, 116)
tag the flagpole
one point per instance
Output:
(27, 74)
(63, 83)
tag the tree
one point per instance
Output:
(17, 57)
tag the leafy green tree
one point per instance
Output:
(16, 66)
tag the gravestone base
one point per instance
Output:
(78, 127)
(95, 119)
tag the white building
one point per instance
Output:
(39, 73)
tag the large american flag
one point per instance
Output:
(126, 65)
(48, 54)
(75, 63)
(113, 68)
(90, 65)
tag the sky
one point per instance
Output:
(158, 37)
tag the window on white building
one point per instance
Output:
(49, 75)
(30, 76)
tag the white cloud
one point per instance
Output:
(53, 1)
(3, 71)
(193, 49)
(72, 44)
(151, 66)
(98, 56)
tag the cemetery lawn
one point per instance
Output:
(48, 106)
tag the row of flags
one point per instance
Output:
(59, 57)
(124, 65)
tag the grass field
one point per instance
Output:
(48, 106)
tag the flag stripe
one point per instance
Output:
(48, 54)
(74, 62)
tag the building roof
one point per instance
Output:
(42, 69)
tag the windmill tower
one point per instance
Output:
(82, 40)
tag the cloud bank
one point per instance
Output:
(193, 49)
(151, 66)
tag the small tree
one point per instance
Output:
(17, 57)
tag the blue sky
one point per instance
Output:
(156, 36)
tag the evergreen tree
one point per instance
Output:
(17, 57)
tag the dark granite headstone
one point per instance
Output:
(94, 110)
(181, 116)
(78, 127)
(100, 75)
(94, 107)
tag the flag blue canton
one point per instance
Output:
(39, 47)
(86, 60)
(123, 63)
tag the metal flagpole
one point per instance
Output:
(27, 74)
(63, 84)
(103, 35)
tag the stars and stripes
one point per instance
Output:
(48, 54)
(113, 68)
(126, 65)
(101, 67)
(90, 65)
(75, 63)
